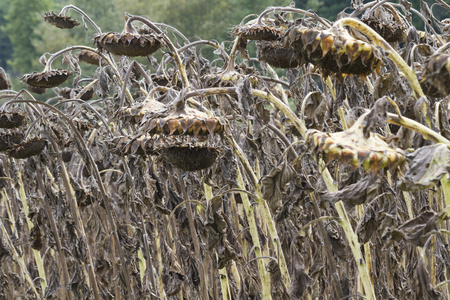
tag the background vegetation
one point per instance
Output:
(22, 43)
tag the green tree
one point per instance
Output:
(22, 17)
(5, 43)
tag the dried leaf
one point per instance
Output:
(274, 183)
(428, 165)
(355, 194)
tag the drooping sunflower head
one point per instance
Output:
(10, 120)
(276, 55)
(5, 84)
(60, 21)
(28, 148)
(385, 21)
(267, 30)
(334, 50)
(129, 42)
(47, 79)
(89, 57)
(352, 148)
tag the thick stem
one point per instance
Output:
(263, 274)
(195, 240)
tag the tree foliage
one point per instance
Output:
(22, 17)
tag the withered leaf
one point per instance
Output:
(355, 194)
(427, 166)
(425, 290)
(376, 117)
(300, 281)
(274, 183)
(417, 230)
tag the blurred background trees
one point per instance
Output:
(24, 35)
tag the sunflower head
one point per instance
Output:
(59, 21)
(28, 148)
(267, 30)
(5, 84)
(352, 148)
(276, 55)
(47, 79)
(382, 20)
(334, 50)
(128, 43)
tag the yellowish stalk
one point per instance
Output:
(265, 212)
(331, 186)
(19, 260)
(263, 274)
(36, 253)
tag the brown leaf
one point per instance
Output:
(355, 194)
(428, 165)
(274, 183)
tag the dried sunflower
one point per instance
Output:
(10, 120)
(351, 147)
(186, 121)
(28, 148)
(5, 84)
(60, 21)
(190, 158)
(436, 76)
(334, 50)
(35, 89)
(47, 79)
(128, 43)
(140, 109)
(385, 23)
(268, 30)
(66, 93)
(276, 55)
(9, 140)
(90, 57)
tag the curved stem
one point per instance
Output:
(426, 132)
(201, 42)
(174, 30)
(65, 9)
(169, 44)
(444, 4)
(313, 15)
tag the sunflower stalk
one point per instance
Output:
(250, 213)
(36, 253)
(332, 187)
